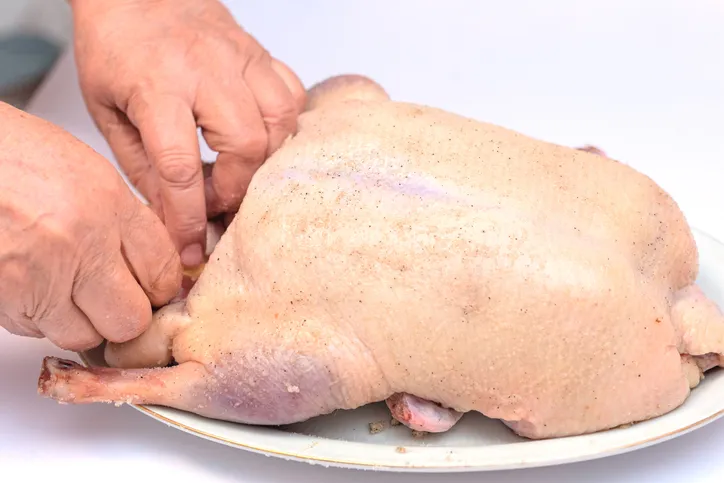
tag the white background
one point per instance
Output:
(644, 80)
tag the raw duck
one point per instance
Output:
(396, 252)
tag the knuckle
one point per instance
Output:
(42, 307)
(94, 87)
(93, 265)
(242, 142)
(178, 169)
(254, 144)
(141, 96)
(60, 227)
(284, 116)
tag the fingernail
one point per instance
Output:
(192, 255)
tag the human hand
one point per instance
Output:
(151, 72)
(80, 255)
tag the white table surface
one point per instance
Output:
(643, 80)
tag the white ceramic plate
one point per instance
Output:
(476, 443)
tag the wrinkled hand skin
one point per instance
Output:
(397, 252)
(81, 259)
(151, 72)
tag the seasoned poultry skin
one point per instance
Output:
(399, 252)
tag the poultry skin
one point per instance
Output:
(396, 252)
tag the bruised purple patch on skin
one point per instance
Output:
(269, 387)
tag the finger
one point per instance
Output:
(232, 126)
(68, 328)
(293, 83)
(150, 254)
(109, 296)
(277, 106)
(125, 142)
(168, 131)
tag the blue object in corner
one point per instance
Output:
(25, 58)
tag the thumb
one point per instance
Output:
(150, 253)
